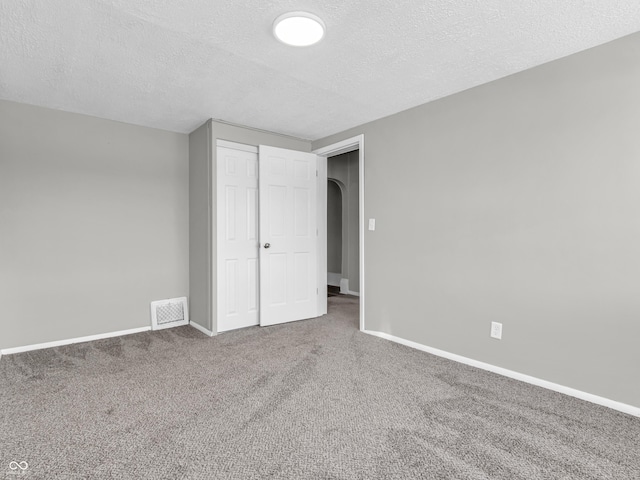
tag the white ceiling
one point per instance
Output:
(172, 64)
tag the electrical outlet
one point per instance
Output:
(496, 330)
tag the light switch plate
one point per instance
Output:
(372, 224)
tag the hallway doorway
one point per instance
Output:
(343, 238)
(353, 144)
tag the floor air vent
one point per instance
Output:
(169, 313)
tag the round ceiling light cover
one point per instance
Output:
(299, 29)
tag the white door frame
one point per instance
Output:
(344, 146)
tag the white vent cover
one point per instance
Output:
(169, 313)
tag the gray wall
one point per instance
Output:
(517, 201)
(93, 224)
(344, 168)
(202, 221)
(334, 227)
(200, 281)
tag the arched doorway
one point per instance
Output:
(334, 235)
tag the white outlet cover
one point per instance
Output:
(496, 330)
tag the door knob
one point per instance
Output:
(267, 245)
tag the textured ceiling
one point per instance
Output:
(172, 64)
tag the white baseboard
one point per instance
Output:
(605, 402)
(344, 286)
(59, 343)
(355, 294)
(202, 329)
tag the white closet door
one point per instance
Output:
(237, 222)
(288, 235)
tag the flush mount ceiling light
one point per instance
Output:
(299, 29)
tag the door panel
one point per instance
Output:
(276, 211)
(237, 207)
(275, 290)
(301, 280)
(288, 211)
(252, 214)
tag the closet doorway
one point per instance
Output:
(267, 251)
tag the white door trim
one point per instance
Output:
(237, 146)
(344, 146)
(321, 226)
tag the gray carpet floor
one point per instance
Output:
(314, 399)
